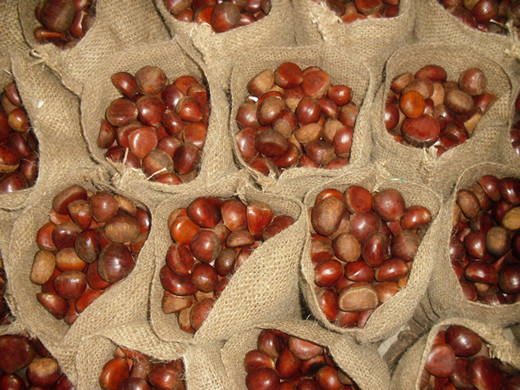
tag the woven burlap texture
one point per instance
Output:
(434, 24)
(360, 362)
(124, 302)
(389, 317)
(219, 51)
(96, 350)
(264, 288)
(444, 291)
(507, 154)
(118, 24)
(422, 164)
(342, 69)
(216, 159)
(372, 40)
(408, 371)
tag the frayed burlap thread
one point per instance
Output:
(445, 293)
(434, 24)
(360, 362)
(216, 159)
(264, 288)
(388, 318)
(408, 372)
(96, 350)
(118, 24)
(372, 40)
(423, 164)
(219, 51)
(342, 69)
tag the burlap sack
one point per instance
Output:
(54, 117)
(118, 24)
(124, 302)
(434, 24)
(407, 374)
(422, 164)
(393, 314)
(219, 51)
(264, 288)
(343, 69)
(96, 350)
(372, 40)
(217, 158)
(360, 362)
(444, 291)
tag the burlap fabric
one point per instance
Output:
(96, 350)
(220, 51)
(422, 164)
(393, 314)
(360, 362)
(118, 24)
(434, 24)
(124, 302)
(407, 374)
(264, 288)
(444, 291)
(342, 69)
(372, 40)
(507, 154)
(216, 160)
(11, 43)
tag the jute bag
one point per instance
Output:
(445, 292)
(407, 374)
(360, 362)
(264, 287)
(54, 117)
(118, 24)
(422, 164)
(11, 42)
(342, 69)
(372, 40)
(216, 160)
(96, 350)
(124, 302)
(219, 51)
(434, 24)
(393, 314)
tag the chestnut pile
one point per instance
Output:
(363, 246)
(460, 359)
(514, 134)
(485, 244)
(64, 22)
(18, 145)
(25, 363)
(90, 242)
(131, 370)
(485, 15)
(157, 126)
(211, 239)
(221, 15)
(425, 109)
(351, 10)
(284, 362)
(295, 117)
